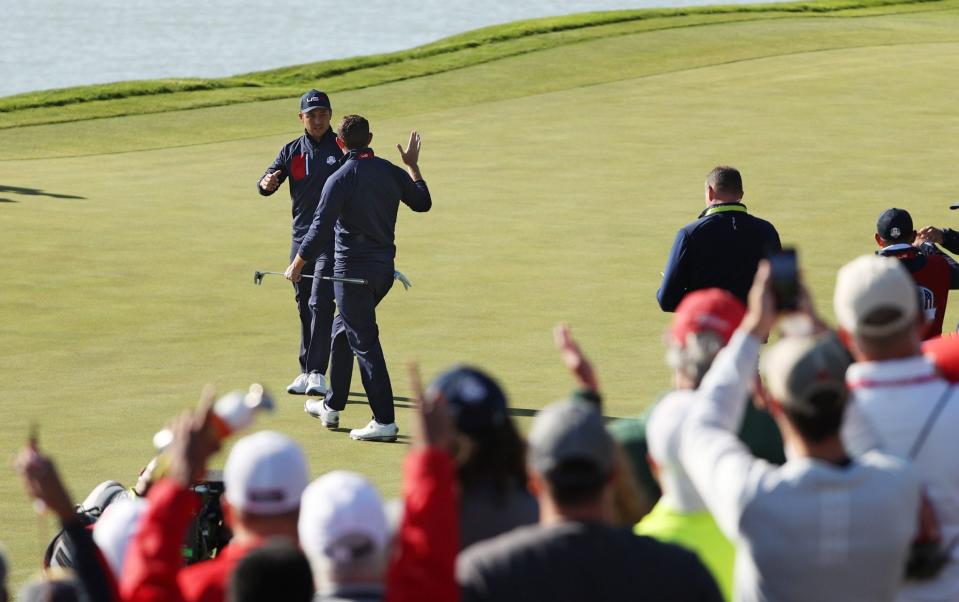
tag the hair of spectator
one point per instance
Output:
(354, 131)
(878, 345)
(824, 421)
(725, 180)
(56, 589)
(276, 571)
(498, 458)
(261, 521)
(368, 567)
(694, 358)
(576, 482)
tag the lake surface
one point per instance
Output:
(59, 43)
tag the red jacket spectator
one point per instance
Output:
(264, 478)
(428, 541)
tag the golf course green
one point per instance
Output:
(561, 162)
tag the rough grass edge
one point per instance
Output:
(309, 72)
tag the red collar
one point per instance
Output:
(865, 383)
(361, 153)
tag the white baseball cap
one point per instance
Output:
(871, 283)
(265, 474)
(114, 530)
(342, 517)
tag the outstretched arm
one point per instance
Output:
(577, 363)
(946, 237)
(428, 539)
(719, 464)
(43, 483)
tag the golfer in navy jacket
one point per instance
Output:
(308, 161)
(358, 210)
(722, 248)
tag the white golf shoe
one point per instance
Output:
(315, 384)
(374, 431)
(317, 409)
(298, 386)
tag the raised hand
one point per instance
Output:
(42, 482)
(761, 313)
(194, 441)
(434, 424)
(573, 358)
(411, 154)
(271, 181)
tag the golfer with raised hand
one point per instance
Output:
(308, 161)
(358, 210)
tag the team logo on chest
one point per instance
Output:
(928, 300)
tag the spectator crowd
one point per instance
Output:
(793, 462)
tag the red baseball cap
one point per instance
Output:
(707, 310)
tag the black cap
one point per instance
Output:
(476, 402)
(895, 225)
(314, 99)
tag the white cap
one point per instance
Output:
(341, 515)
(870, 283)
(265, 474)
(663, 429)
(116, 527)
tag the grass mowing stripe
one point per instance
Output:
(642, 54)
(263, 85)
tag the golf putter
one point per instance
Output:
(258, 278)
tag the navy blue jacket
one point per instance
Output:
(950, 240)
(721, 249)
(308, 163)
(358, 208)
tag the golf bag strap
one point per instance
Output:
(930, 422)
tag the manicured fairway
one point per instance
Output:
(559, 180)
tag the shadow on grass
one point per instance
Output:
(357, 397)
(8, 201)
(35, 192)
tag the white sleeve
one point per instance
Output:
(858, 434)
(723, 470)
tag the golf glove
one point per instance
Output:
(397, 275)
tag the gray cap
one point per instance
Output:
(799, 370)
(570, 431)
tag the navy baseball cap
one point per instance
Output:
(314, 99)
(476, 402)
(895, 225)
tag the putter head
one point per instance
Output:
(954, 206)
(257, 278)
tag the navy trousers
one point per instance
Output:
(355, 333)
(314, 303)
